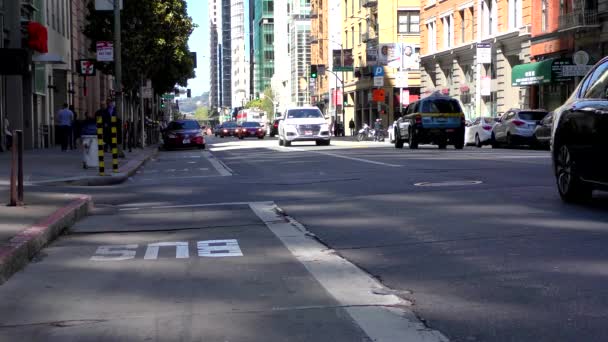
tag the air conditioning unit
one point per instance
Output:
(369, 3)
(364, 37)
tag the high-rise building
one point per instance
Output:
(215, 62)
(319, 52)
(263, 45)
(240, 53)
(281, 80)
(299, 51)
(226, 56)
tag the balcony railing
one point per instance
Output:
(578, 19)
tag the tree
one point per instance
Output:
(154, 42)
(265, 103)
(201, 114)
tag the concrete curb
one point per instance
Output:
(16, 254)
(124, 173)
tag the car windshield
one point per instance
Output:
(441, 106)
(532, 116)
(178, 125)
(229, 125)
(304, 114)
(251, 124)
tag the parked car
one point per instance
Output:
(250, 129)
(183, 133)
(479, 131)
(580, 138)
(542, 132)
(516, 127)
(228, 129)
(303, 124)
(391, 132)
(436, 119)
(274, 128)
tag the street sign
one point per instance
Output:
(378, 95)
(486, 86)
(378, 81)
(169, 97)
(402, 79)
(484, 53)
(378, 71)
(86, 67)
(105, 52)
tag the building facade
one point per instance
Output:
(226, 56)
(385, 42)
(299, 52)
(319, 53)
(567, 39)
(471, 49)
(263, 48)
(240, 54)
(214, 55)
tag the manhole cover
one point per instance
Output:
(450, 183)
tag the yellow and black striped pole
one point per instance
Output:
(100, 145)
(114, 146)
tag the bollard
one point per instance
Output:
(114, 146)
(16, 186)
(100, 146)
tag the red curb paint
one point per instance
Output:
(9, 249)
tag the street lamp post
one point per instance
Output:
(315, 41)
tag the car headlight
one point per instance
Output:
(171, 136)
(324, 127)
(291, 127)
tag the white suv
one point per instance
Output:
(303, 124)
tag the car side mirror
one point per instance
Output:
(497, 120)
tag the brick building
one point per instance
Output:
(457, 35)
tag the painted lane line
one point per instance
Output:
(220, 167)
(341, 156)
(200, 205)
(348, 284)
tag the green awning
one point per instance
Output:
(532, 73)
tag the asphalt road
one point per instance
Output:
(477, 240)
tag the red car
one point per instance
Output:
(228, 129)
(250, 129)
(183, 133)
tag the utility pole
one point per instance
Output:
(117, 59)
(477, 63)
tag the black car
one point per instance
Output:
(217, 130)
(542, 132)
(274, 128)
(580, 138)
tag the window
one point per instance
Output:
(467, 70)
(179, 125)
(345, 8)
(448, 31)
(352, 40)
(515, 10)
(408, 22)
(489, 13)
(360, 32)
(462, 26)
(304, 113)
(447, 72)
(544, 15)
(432, 36)
(596, 84)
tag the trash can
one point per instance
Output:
(90, 157)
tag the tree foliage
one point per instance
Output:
(265, 103)
(201, 114)
(154, 42)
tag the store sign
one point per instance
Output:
(343, 63)
(105, 52)
(378, 81)
(557, 70)
(402, 79)
(576, 70)
(484, 53)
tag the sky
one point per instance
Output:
(199, 43)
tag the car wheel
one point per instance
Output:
(493, 141)
(318, 142)
(202, 147)
(327, 142)
(478, 141)
(571, 188)
(280, 141)
(509, 140)
(459, 145)
(287, 143)
(412, 141)
(260, 138)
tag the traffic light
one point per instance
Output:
(344, 100)
(162, 103)
(189, 92)
(313, 71)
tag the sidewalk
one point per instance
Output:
(25, 230)
(53, 167)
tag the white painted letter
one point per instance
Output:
(121, 252)
(219, 248)
(181, 250)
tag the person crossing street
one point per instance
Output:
(65, 119)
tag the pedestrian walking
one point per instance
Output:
(351, 125)
(377, 129)
(65, 118)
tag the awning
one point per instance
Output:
(532, 73)
(48, 58)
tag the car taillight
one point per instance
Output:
(418, 119)
(487, 128)
(276, 125)
(518, 123)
